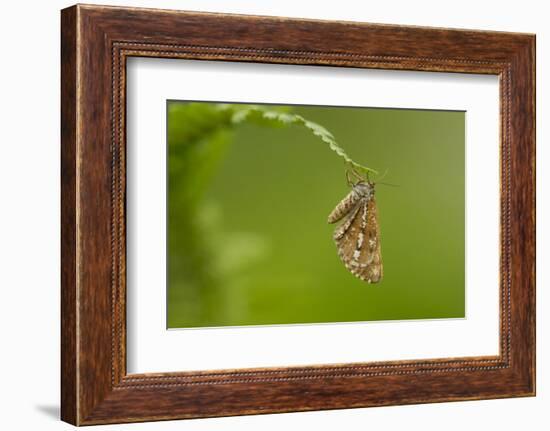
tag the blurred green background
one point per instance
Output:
(248, 239)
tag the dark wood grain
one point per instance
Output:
(96, 41)
(69, 399)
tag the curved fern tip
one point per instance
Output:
(241, 113)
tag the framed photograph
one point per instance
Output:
(264, 214)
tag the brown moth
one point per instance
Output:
(357, 237)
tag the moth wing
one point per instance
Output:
(359, 246)
(375, 270)
(349, 242)
(347, 221)
(344, 207)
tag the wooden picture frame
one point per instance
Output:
(95, 43)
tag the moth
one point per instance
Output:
(357, 237)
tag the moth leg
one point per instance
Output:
(348, 178)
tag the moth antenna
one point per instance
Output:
(388, 184)
(383, 176)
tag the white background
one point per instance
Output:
(151, 348)
(29, 228)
